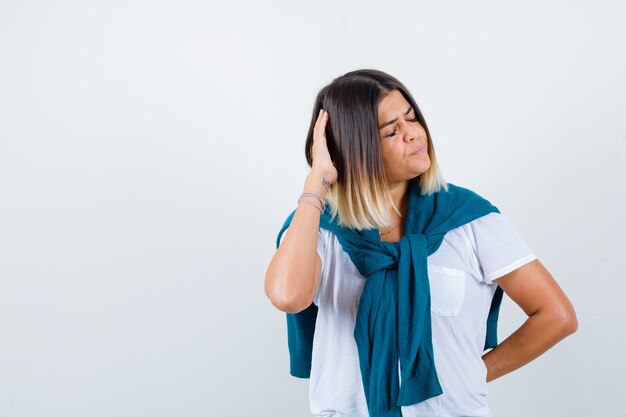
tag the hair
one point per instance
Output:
(360, 196)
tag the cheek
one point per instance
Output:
(387, 154)
(391, 157)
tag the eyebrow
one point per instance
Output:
(394, 120)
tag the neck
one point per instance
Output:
(400, 196)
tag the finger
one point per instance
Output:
(320, 115)
(319, 124)
(323, 120)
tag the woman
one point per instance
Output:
(398, 274)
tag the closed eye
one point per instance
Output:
(414, 120)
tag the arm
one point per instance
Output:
(294, 272)
(551, 318)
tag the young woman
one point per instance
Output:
(392, 278)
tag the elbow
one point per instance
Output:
(288, 305)
(570, 323)
(567, 321)
(284, 299)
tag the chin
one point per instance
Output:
(423, 168)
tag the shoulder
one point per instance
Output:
(455, 188)
(455, 207)
(491, 226)
(494, 221)
(497, 245)
(459, 193)
(458, 196)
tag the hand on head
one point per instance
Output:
(319, 152)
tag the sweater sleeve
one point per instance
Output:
(498, 247)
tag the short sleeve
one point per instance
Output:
(321, 250)
(497, 245)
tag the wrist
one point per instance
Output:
(317, 183)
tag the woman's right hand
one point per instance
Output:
(322, 162)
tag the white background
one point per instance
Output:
(151, 150)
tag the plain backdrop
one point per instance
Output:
(151, 150)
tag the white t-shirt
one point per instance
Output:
(461, 274)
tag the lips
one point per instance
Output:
(418, 150)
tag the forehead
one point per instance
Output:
(393, 104)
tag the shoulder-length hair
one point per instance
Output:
(360, 196)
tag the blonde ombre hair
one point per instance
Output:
(360, 196)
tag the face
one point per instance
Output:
(403, 139)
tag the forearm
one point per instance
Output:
(539, 333)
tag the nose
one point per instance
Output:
(410, 131)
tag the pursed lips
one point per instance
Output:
(418, 150)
